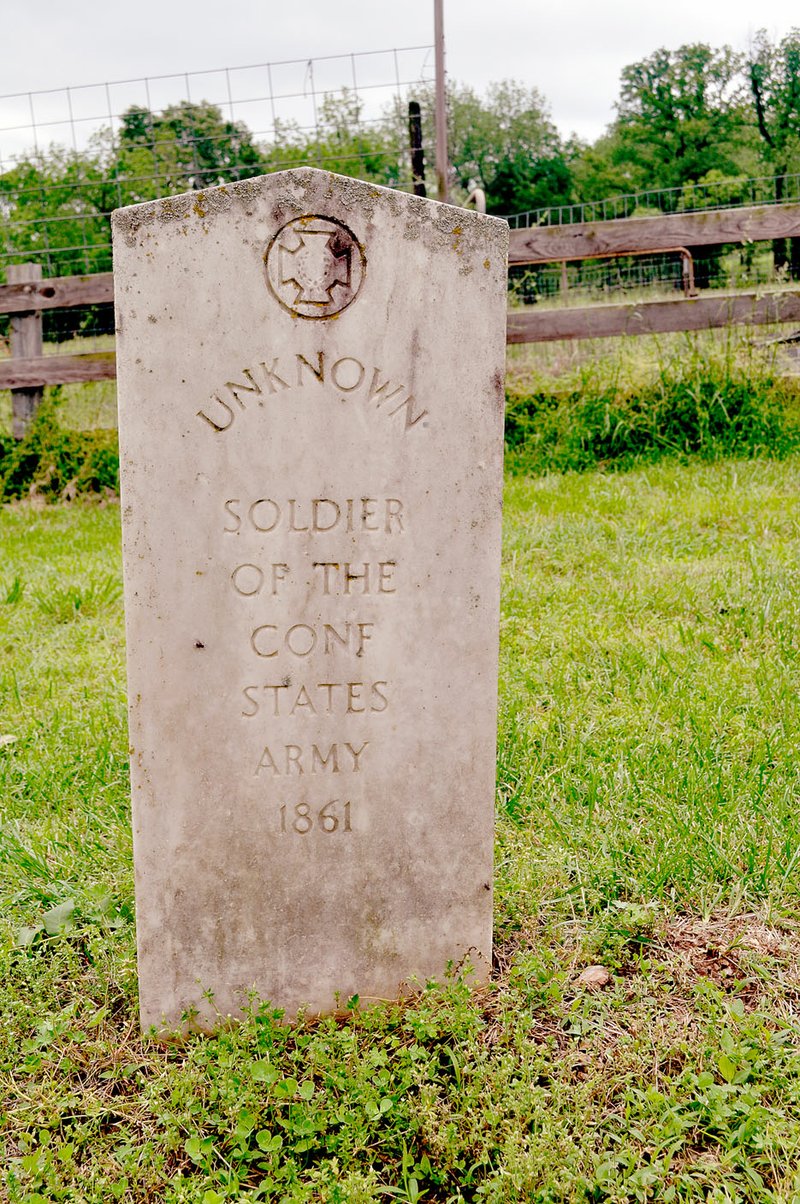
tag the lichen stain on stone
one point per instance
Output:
(498, 387)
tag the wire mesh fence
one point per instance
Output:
(651, 275)
(69, 156)
(731, 193)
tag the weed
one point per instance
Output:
(70, 601)
(688, 402)
(52, 462)
(13, 592)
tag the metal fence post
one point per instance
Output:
(26, 343)
(417, 153)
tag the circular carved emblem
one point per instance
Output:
(315, 266)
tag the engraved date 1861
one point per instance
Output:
(302, 817)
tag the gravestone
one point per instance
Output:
(311, 410)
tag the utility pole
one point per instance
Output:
(442, 165)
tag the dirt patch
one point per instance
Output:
(744, 953)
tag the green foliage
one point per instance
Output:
(775, 86)
(714, 190)
(683, 116)
(682, 113)
(774, 75)
(699, 115)
(690, 410)
(504, 142)
(343, 142)
(54, 206)
(52, 462)
(507, 144)
(186, 147)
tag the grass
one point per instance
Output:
(631, 365)
(647, 821)
(670, 713)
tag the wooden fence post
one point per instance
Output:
(26, 343)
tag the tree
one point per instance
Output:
(507, 144)
(774, 75)
(682, 119)
(343, 142)
(186, 147)
(682, 114)
(52, 207)
(55, 204)
(604, 169)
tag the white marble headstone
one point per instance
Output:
(311, 411)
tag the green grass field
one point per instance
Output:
(647, 822)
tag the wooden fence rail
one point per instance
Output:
(653, 317)
(27, 295)
(60, 292)
(36, 371)
(756, 223)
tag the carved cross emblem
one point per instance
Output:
(315, 266)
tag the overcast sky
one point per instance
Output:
(572, 52)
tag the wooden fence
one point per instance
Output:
(547, 244)
(27, 294)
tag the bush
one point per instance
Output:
(54, 463)
(705, 413)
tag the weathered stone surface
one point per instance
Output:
(311, 407)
